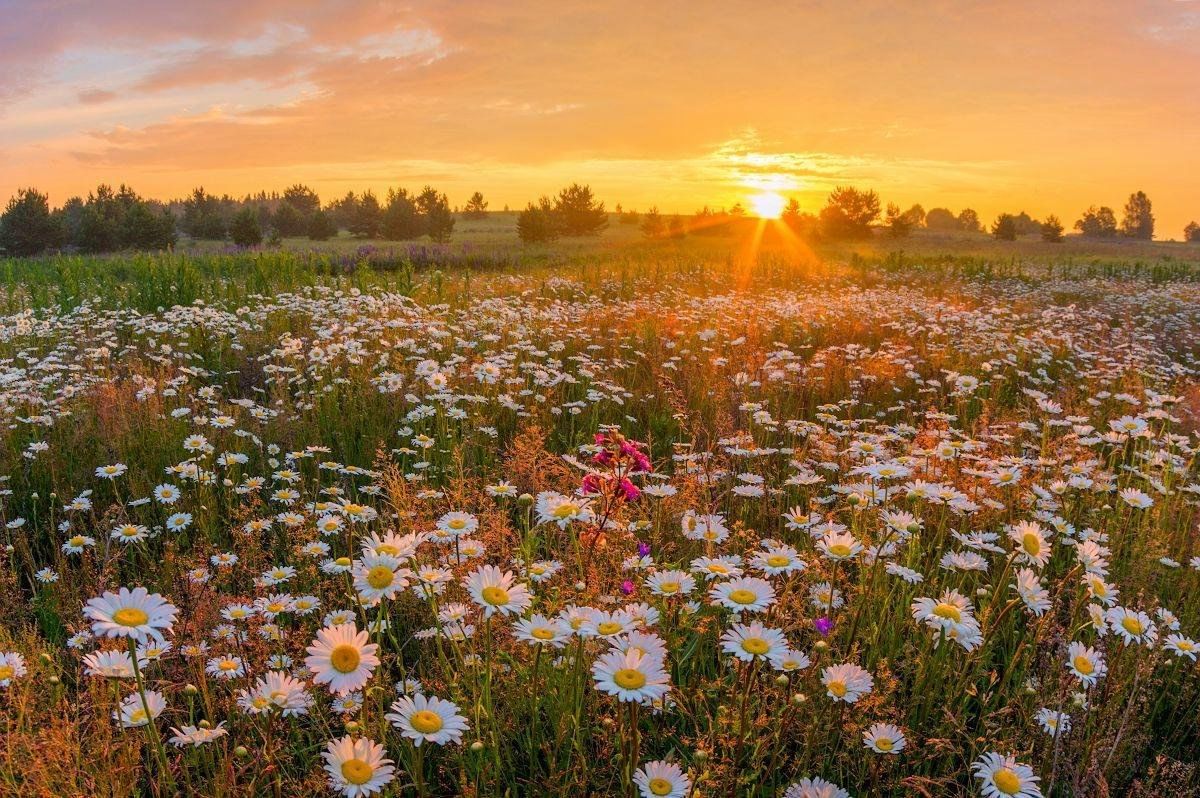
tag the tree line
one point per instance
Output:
(109, 220)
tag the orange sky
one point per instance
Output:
(1042, 106)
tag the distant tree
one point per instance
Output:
(676, 227)
(288, 220)
(1191, 233)
(1052, 230)
(738, 210)
(579, 214)
(435, 211)
(899, 225)
(321, 226)
(27, 227)
(800, 222)
(401, 219)
(538, 223)
(941, 219)
(476, 207)
(303, 199)
(1005, 227)
(709, 222)
(244, 228)
(367, 217)
(653, 225)
(1097, 222)
(343, 210)
(1139, 220)
(916, 215)
(968, 220)
(849, 213)
(203, 216)
(1026, 224)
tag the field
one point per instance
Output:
(707, 517)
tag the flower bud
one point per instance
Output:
(477, 746)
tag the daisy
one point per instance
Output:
(495, 592)
(631, 676)
(662, 780)
(847, 682)
(1182, 646)
(196, 736)
(753, 641)
(456, 524)
(379, 576)
(884, 738)
(839, 546)
(357, 767)
(110, 664)
(1004, 777)
(1031, 543)
(815, 787)
(276, 690)
(778, 560)
(540, 630)
(12, 666)
(226, 668)
(342, 658)
(136, 614)
(670, 583)
(1053, 722)
(1131, 625)
(430, 719)
(747, 594)
(133, 712)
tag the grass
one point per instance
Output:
(935, 400)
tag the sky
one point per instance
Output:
(1047, 107)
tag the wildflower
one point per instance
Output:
(630, 676)
(342, 658)
(1131, 626)
(662, 780)
(1003, 777)
(133, 712)
(136, 613)
(541, 630)
(884, 738)
(380, 576)
(746, 594)
(1053, 723)
(12, 666)
(753, 641)
(846, 682)
(495, 592)
(423, 718)
(815, 787)
(196, 736)
(357, 767)
(670, 583)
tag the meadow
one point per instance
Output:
(706, 517)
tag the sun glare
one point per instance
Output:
(768, 205)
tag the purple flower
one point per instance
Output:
(626, 587)
(643, 548)
(824, 625)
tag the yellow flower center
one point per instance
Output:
(1083, 665)
(1007, 781)
(668, 587)
(138, 716)
(227, 665)
(542, 633)
(565, 511)
(1132, 625)
(717, 568)
(660, 787)
(608, 628)
(837, 687)
(742, 596)
(7, 672)
(343, 561)
(629, 678)
(258, 702)
(884, 744)
(426, 721)
(77, 540)
(130, 616)
(380, 577)
(457, 523)
(755, 645)
(948, 611)
(839, 550)
(387, 548)
(353, 509)
(778, 560)
(496, 596)
(1031, 544)
(344, 658)
(356, 771)
(1185, 645)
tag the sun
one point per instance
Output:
(767, 205)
